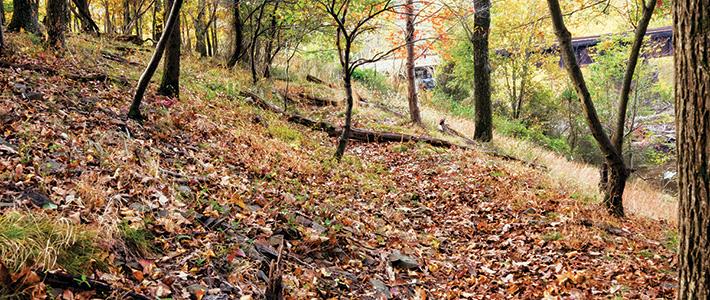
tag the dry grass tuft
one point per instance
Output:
(38, 240)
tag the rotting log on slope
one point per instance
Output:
(358, 134)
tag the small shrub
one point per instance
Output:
(460, 108)
(530, 133)
(372, 79)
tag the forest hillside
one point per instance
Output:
(223, 194)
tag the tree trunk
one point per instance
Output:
(2, 22)
(24, 16)
(238, 27)
(107, 18)
(171, 25)
(269, 52)
(157, 21)
(200, 36)
(255, 45)
(347, 128)
(170, 83)
(618, 135)
(56, 23)
(139, 24)
(84, 14)
(126, 17)
(482, 71)
(617, 173)
(208, 40)
(524, 78)
(215, 48)
(691, 38)
(414, 114)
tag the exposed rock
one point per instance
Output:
(399, 260)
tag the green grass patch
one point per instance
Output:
(672, 241)
(137, 238)
(285, 133)
(552, 236)
(47, 241)
(532, 134)
(372, 79)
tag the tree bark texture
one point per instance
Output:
(2, 35)
(691, 38)
(170, 83)
(200, 29)
(347, 127)
(482, 71)
(414, 114)
(57, 12)
(24, 16)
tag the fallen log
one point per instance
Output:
(369, 136)
(293, 118)
(443, 127)
(356, 134)
(316, 80)
(133, 39)
(312, 99)
(54, 72)
(382, 107)
(113, 57)
(318, 101)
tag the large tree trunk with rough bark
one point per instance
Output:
(57, 13)
(24, 16)
(617, 170)
(170, 26)
(414, 114)
(170, 83)
(691, 38)
(482, 71)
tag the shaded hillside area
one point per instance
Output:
(213, 197)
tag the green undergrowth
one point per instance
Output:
(137, 238)
(39, 240)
